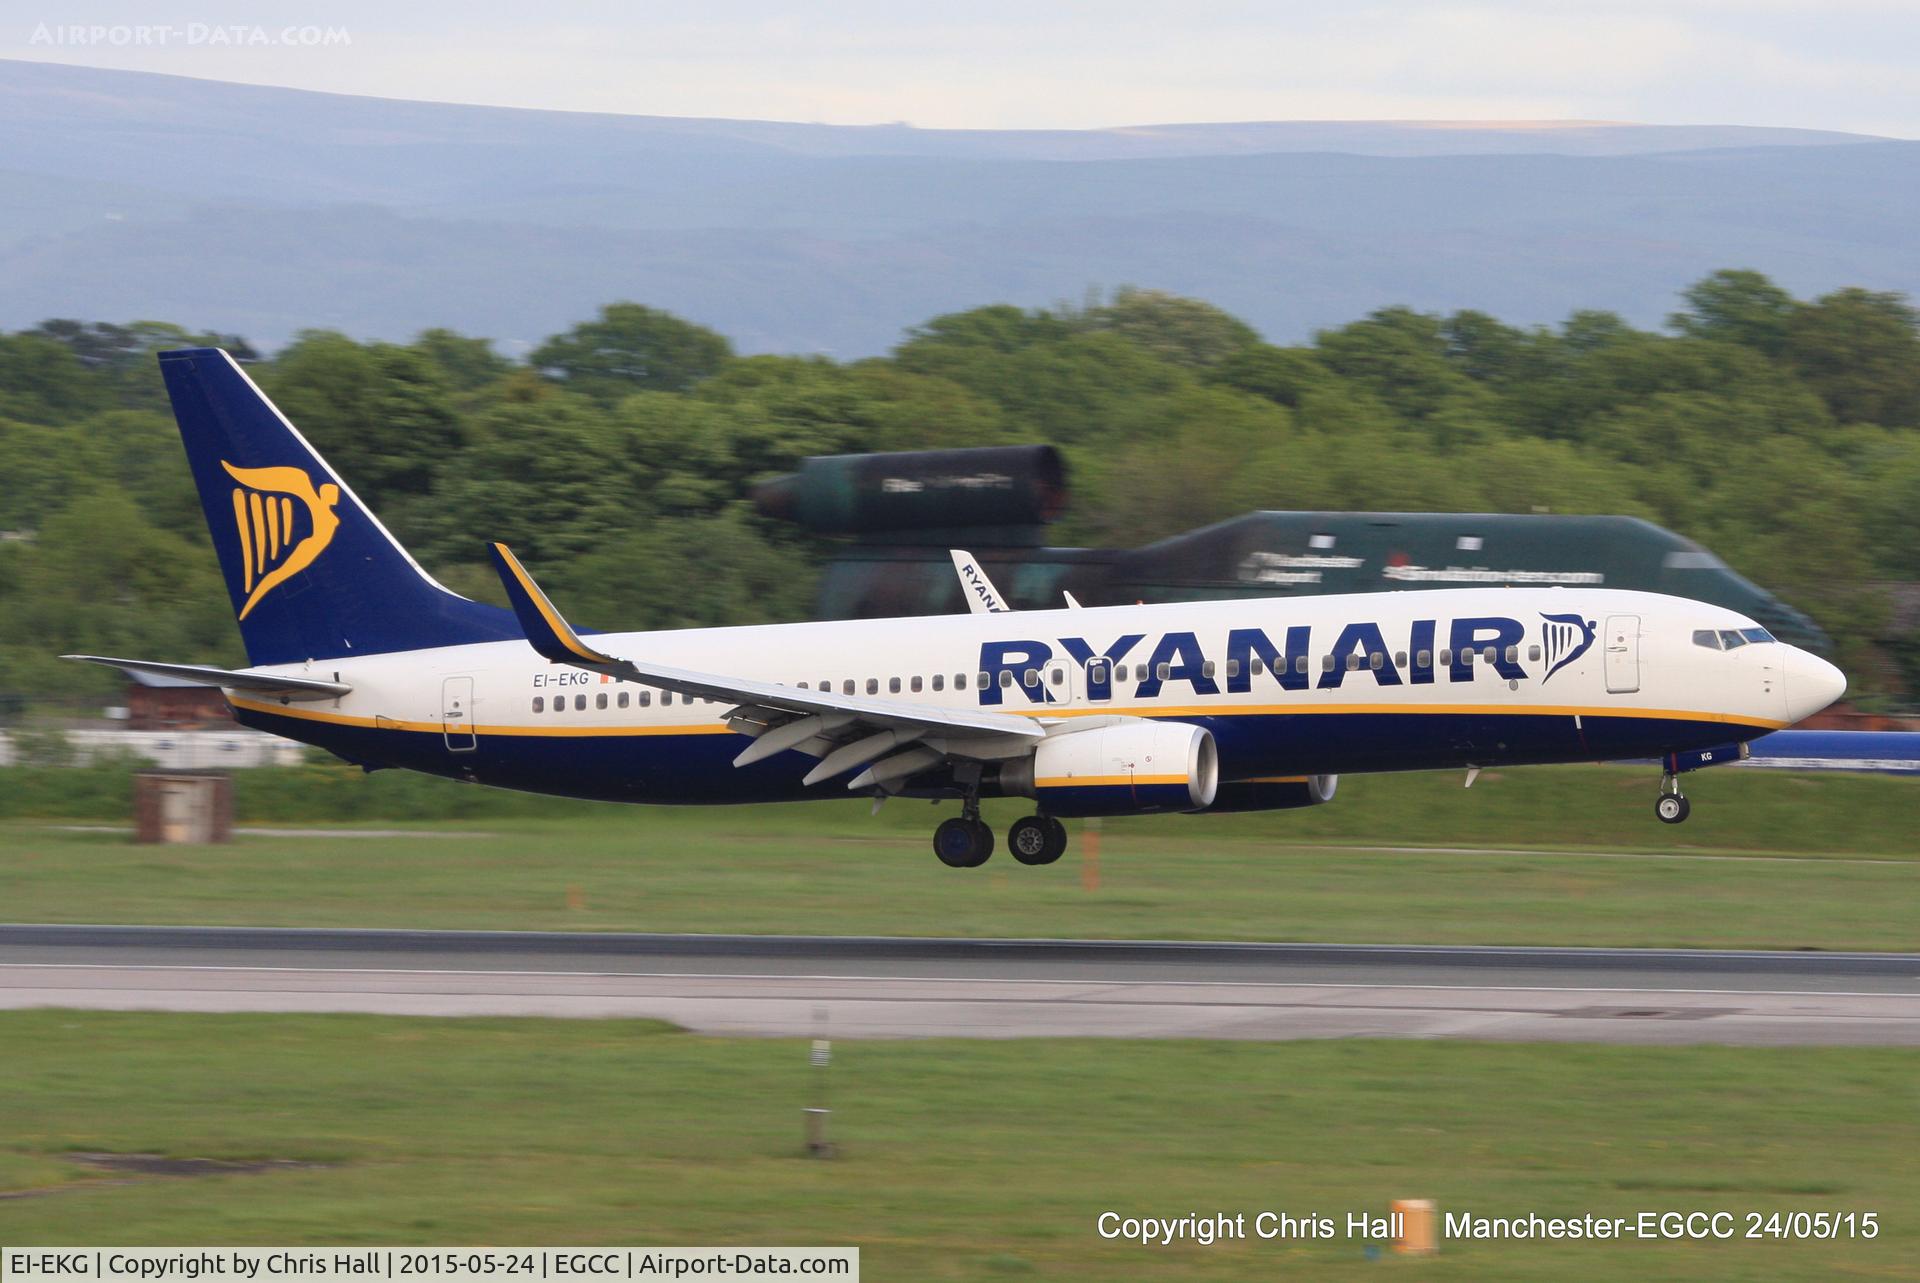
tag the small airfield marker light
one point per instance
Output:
(1413, 1220)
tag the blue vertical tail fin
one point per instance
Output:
(312, 573)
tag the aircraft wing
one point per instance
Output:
(199, 675)
(845, 731)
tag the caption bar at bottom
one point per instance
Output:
(407, 1264)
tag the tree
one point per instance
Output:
(1741, 307)
(1184, 331)
(1860, 350)
(465, 363)
(631, 348)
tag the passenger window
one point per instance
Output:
(1490, 654)
(1233, 669)
(539, 703)
(580, 703)
(982, 680)
(1032, 678)
(1326, 663)
(959, 681)
(939, 681)
(1253, 666)
(846, 687)
(1375, 660)
(1424, 659)
(873, 685)
(1206, 668)
(1446, 658)
(623, 699)
(1353, 662)
(1162, 671)
(803, 686)
(893, 685)
(1513, 654)
(1006, 678)
(1533, 653)
(1299, 663)
(600, 700)
(916, 685)
(1057, 675)
(646, 699)
(1399, 659)
(666, 699)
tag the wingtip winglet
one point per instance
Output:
(547, 632)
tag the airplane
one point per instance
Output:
(1199, 707)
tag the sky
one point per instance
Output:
(997, 64)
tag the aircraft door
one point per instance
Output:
(1098, 675)
(456, 714)
(1060, 677)
(1623, 654)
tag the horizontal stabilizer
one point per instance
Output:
(281, 684)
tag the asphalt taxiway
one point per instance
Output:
(912, 987)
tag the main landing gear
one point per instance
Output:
(1673, 806)
(965, 841)
(1038, 839)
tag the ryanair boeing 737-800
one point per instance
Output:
(1196, 707)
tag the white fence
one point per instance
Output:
(174, 750)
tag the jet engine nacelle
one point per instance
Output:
(1133, 768)
(1274, 795)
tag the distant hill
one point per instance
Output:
(128, 195)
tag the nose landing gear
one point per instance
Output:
(1672, 806)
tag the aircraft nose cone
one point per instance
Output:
(1812, 683)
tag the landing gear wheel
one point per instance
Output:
(962, 843)
(1038, 839)
(1672, 808)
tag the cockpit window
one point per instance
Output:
(1730, 638)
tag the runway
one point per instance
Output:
(884, 987)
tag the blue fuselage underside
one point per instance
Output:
(697, 769)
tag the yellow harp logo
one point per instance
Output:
(265, 515)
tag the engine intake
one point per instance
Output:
(1135, 768)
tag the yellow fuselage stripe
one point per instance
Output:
(1106, 781)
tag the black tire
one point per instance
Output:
(982, 844)
(1672, 808)
(1033, 840)
(954, 842)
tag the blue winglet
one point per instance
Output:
(546, 631)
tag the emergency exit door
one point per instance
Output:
(1623, 654)
(456, 714)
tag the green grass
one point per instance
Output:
(959, 1159)
(830, 868)
(1610, 807)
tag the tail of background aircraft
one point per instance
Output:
(312, 573)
